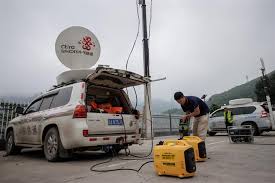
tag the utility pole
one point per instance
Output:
(147, 118)
(267, 94)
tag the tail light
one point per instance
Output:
(80, 111)
(85, 133)
(264, 114)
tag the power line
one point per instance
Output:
(150, 20)
(134, 44)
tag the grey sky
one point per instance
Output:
(201, 46)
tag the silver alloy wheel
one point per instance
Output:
(52, 145)
(10, 143)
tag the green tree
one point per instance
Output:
(214, 107)
(259, 88)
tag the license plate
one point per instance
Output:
(115, 122)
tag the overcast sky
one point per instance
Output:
(201, 46)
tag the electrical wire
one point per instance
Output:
(152, 140)
(136, 97)
(150, 19)
(134, 44)
(129, 154)
(116, 169)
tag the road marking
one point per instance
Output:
(215, 143)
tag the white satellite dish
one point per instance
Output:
(77, 48)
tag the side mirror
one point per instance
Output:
(19, 110)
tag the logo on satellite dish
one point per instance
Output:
(77, 48)
(87, 43)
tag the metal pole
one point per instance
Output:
(170, 120)
(3, 117)
(8, 113)
(267, 94)
(147, 118)
(145, 39)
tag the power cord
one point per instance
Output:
(152, 140)
(116, 169)
(134, 44)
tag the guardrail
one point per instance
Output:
(163, 125)
(7, 113)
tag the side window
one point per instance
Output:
(243, 110)
(34, 107)
(236, 111)
(46, 103)
(218, 113)
(248, 110)
(62, 98)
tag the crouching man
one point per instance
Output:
(194, 107)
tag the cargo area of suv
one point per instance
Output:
(109, 111)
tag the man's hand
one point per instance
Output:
(184, 118)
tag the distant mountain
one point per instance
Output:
(246, 90)
(159, 106)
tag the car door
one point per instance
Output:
(243, 114)
(36, 123)
(31, 114)
(217, 120)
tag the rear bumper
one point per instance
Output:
(71, 135)
(101, 140)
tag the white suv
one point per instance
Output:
(65, 119)
(251, 113)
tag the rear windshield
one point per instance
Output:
(97, 97)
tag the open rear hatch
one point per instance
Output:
(109, 82)
(116, 78)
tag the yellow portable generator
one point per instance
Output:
(174, 160)
(197, 144)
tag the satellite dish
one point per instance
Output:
(77, 48)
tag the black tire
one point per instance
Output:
(212, 133)
(52, 145)
(255, 129)
(11, 148)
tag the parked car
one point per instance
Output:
(65, 119)
(244, 113)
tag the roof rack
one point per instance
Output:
(63, 84)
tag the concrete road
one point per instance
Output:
(228, 163)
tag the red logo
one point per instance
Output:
(87, 43)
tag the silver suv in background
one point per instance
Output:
(252, 113)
